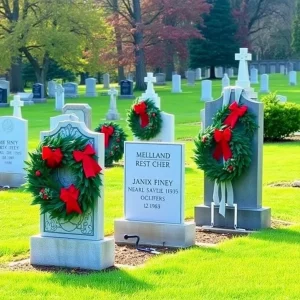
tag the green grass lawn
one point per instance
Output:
(264, 265)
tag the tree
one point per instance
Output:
(220, 45)
(70, 32)
(153, 31)
(296, 30)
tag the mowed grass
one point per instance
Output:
(262, 266)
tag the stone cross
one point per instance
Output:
(243, 75)
(150, 92)
(150, 79)
(113, 94)
(17, 104)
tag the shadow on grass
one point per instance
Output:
(282, 235)
(118, 281)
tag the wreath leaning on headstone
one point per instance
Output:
(57, 158)
(224, 150)
(114, 138)
(144, 119)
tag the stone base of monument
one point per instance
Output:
(126, 97)
(72, 253)
(40, 100)
(156, 234)
(12, 179)
(91, 94)
(252, 219)
(110, 116)
(4, 104)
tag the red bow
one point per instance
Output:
(90, 165)
(53, 157)
(70, 197)
(141, 109)
(222, 138)
(108, 131)
(236, 112)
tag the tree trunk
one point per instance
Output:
(212, 72)
(16, 80)
(139, 53)
(83, 77)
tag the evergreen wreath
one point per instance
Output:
(224, 150)
(52, 156)
(144, 119)
(114, 141)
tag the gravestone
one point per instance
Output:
(247, 189)
(293, 78)
(113, 112)
(81, 110)
(167, 133)
(264, 83)
(126, 89)
(281, 98)
(61, 118)
(51, 88)
(26, 98)
(206, 91)
(219, 72)
(4, 84)
(272, 69)
(154, 196)
(13, 150)
(230, 72)
(290, 67)
(198, 74)
(282, 69)
(90, 84)
(243, 80)
(263, 69)
(38, 93)
(106, 81)
(17, 104)
(59, 97)
(176, 84)
(3, 98)
(79, 242)
(254, 75)
(160, 79)
(190, 77)
(225, 81)
(71, 90)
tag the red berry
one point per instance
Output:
(153, 115)
(42, 191)
(38, 173)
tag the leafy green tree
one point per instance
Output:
(296, 30)
(71, 32)
(219, 44)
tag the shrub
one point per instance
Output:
(280, 119)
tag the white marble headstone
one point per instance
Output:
(90, 85)
(206, 91)
(264, 83)
(13, 150)
(51, 88)
(190, 77)
(293, 77)
(254, 75)
(59, 97)
(176, 83)
(81, 110)
(225, 81)
(106, 81)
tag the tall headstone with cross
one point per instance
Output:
(80, 241)
(113, 112)
(247, 189)
(243, 73)
(154, 187)
(17, 104)
(59, 97)
(167, 133)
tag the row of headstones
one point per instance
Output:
(254, 76)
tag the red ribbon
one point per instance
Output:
(236, 112)
(141, 109)
(108, 131)
(70, 197)
(90, 165)
(222, 138)
(53, 157)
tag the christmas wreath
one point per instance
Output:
(144, 119)
(74, 157)
(114, 141)
(223, 151)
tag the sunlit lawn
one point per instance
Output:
(262, 266)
